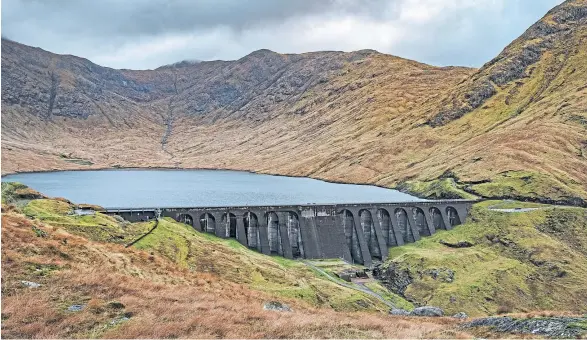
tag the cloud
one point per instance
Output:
(146, 34)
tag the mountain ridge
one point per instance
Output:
(361, 117)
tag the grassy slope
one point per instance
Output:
(181, 282)
(130, 293)
(519, 262)
(201, 252)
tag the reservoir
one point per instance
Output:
(133, 188)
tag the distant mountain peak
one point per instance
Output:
(180, 64)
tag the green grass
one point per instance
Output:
(444, 188)
(397, 300)
(97, 227)
(529, 185)
(511, 204)
(519, 262)
(229, 259)
(18, 194)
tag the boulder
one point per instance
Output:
(75, 308)
(459, 244)
(427, 311)
(276, 306)
(399, 311)
(30, 284)
(460, 315)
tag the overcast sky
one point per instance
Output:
(141, 34)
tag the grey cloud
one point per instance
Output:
(147, 34)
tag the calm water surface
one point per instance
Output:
(179, 188)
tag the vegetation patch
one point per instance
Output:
(513, 260)
(534, 186)
(443, 188)
(96, 227)
(18, 193)
(70, 159)
(280, 277)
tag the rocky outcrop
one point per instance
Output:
(392, 276)
(554, 327)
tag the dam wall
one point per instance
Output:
(357, 233)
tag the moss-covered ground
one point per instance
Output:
(519, 262)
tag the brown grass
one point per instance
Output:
(161, 299)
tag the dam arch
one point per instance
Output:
(453, 216)
(251, 223)
(404, 225)
(437, 219)
(185, 219)
(229, 224)
(352, 239)
(386, 227)
(273, 233)
(208, 223)
(294, 234)
(368, 227)
(420, 221)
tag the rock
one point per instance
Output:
(399, 311)
(276, 306)
(441, 274)
(119, 320)
(460, 244)
(427, 311)
(393, 277)
(76, 308)
(30, 284)
(115, 305)
(556, 327)
(460, 315)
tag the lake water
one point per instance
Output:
(197, 188)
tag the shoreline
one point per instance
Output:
(163, 168)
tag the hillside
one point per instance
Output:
(514, 128)
(184, 283)
(180, 282)
(506, 262)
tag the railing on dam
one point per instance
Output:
(358, 233)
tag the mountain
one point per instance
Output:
(514, 128)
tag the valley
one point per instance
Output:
(483, 236)
(514, 128)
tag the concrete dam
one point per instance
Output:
(357, 233)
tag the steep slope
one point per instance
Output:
(179, 282)
(514, 128)
(498, 262)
